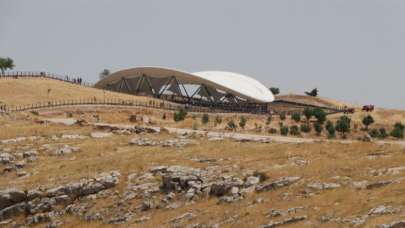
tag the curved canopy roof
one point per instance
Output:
(233, 83)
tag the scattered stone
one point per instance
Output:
(285, 222)
(11, 196)
(186, 216)
(396, 224)
(279, 183)
(38, 218)
(99, 135)
(323, 186)
(251, 181)
(163, 143)
(142, 219)
(379, 184)
(73, 137)
(67, 121)
(381, 210)
(6, 158)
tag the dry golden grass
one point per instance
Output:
(30, 90)
(326, 161)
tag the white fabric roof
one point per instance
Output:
(236, 84)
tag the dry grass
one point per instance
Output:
(326, 161)
(28, 91)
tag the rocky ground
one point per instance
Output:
(84, 174)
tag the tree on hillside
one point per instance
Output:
(104, 73)
(319, 114)
(313, 93)
(275, 90)
(343, 125)
(6, 63)
(368, 120)
(308, 113)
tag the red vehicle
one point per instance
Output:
(368, 108)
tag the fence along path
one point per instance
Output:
(47, 75)
(108, 102)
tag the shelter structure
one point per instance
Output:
(216, 89)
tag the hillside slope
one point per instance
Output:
(34, 90)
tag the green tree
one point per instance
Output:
(268, 120)
(205, 118)
(104, 73)
(231, 125)
(306, 128)
(343, 125)
(242, 122)
(282, 116)
(296, 116)
(284, 130)
(367, 121)
(180, 115)
(319, 114)
(295, 130)
(308, 113)
(330, 128)
(275, 90)
(318, 128)
(383, 133)
(6, 63)
(312, 93)
(398, 131)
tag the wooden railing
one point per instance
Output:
(43, 74)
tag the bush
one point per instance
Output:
(296, 116)
(231, 125)
(269, 118)
(383, 133)
(343, 125)
(284, 130)
(261, 175)
(180, 115)
(164, 116)
(318, 128)
(218, 120)
(282, 116)
(273, 131)
(306, 128)
(367, 121)
(275, 90)
(205, 118)
(319, 114)
(308, 113)
(295, 130)
(242, 122)
(398, 131)
(331, 129)
(374, 133)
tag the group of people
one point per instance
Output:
(74, 80)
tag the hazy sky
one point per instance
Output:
(352, 50)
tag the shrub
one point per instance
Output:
(268, 120)
(308, 113)
(205, 118)
(331, 129)
(343, 125)
(319, 114)
(258, 127)
(273, 131)
(36, 113)
(295, 130)
(374, 133)
(231, 125)
(164, 116)
(261, 175)
(306, 128)
(282, 116)
(242, 122)
(367, 121)
(318, 128)
(275, 90)
(296, 116)
(383, 133)
(284, 130)
(218, 120)
(398, 131)
(180, 115)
